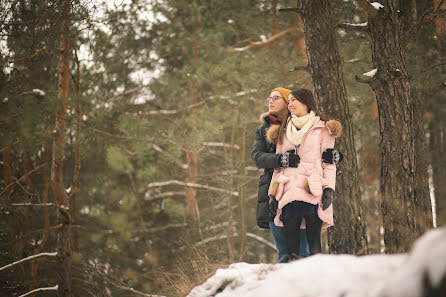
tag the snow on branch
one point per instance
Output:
(362, 27)
(377, 5)
(261, 239)
(31, 258)
(55, 288)
(37, 205)
(221, 144)
(214, 238)
(166, 194)
(366, 77)
(171, 111)
(264, 42)
(192, 185)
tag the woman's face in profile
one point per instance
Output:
(278, 104)
(296, 107)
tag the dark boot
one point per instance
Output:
(314, 225)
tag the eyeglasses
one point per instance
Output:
(273, 98)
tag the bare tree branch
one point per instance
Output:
(301, 68)
(192, 185)
(371, 11)
(366, 77)
(23, 177)
(265, 42)
(293, 9)
(157, 229)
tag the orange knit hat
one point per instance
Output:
(284, 92)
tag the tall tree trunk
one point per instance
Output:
(63, 213)
(192, 215)
(349, 233)
(438, 125)
(46, 214)
(15, 239)
(405, 202)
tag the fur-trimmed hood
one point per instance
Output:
(334, 128)
(262, 116)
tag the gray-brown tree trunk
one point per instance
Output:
(437, 127)
(405, 199)
(349, 233)
(63, 212)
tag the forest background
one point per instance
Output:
(127, 128)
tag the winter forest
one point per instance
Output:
(126, 131)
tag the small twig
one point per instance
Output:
(433, 67)
(293, 9)
(24, 176)
(157, 229)
(301, 68)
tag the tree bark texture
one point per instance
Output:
(437, 127)
(405, 202)
(63, 212)
(349, 233)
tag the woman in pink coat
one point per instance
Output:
(305, 193)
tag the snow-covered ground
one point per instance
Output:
(403, 275)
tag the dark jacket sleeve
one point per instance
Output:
(260, 155)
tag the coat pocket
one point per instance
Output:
(314, 184)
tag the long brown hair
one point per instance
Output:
(306, 97)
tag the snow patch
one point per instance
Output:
(377, 5)
(38, 92)
(357, 25)
(336, 275)
(371, 73)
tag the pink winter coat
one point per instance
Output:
(307, 181)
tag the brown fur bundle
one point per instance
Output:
(273, 188)
(272, 133)
(335, 128)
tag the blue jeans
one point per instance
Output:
(280, 241)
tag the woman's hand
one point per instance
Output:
(289, 159)
(332, 156)
(327, 198)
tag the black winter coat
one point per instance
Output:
(264, 156)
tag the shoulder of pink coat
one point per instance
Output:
(334, 127)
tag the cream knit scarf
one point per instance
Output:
(298, 126)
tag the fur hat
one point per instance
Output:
(284, 92)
